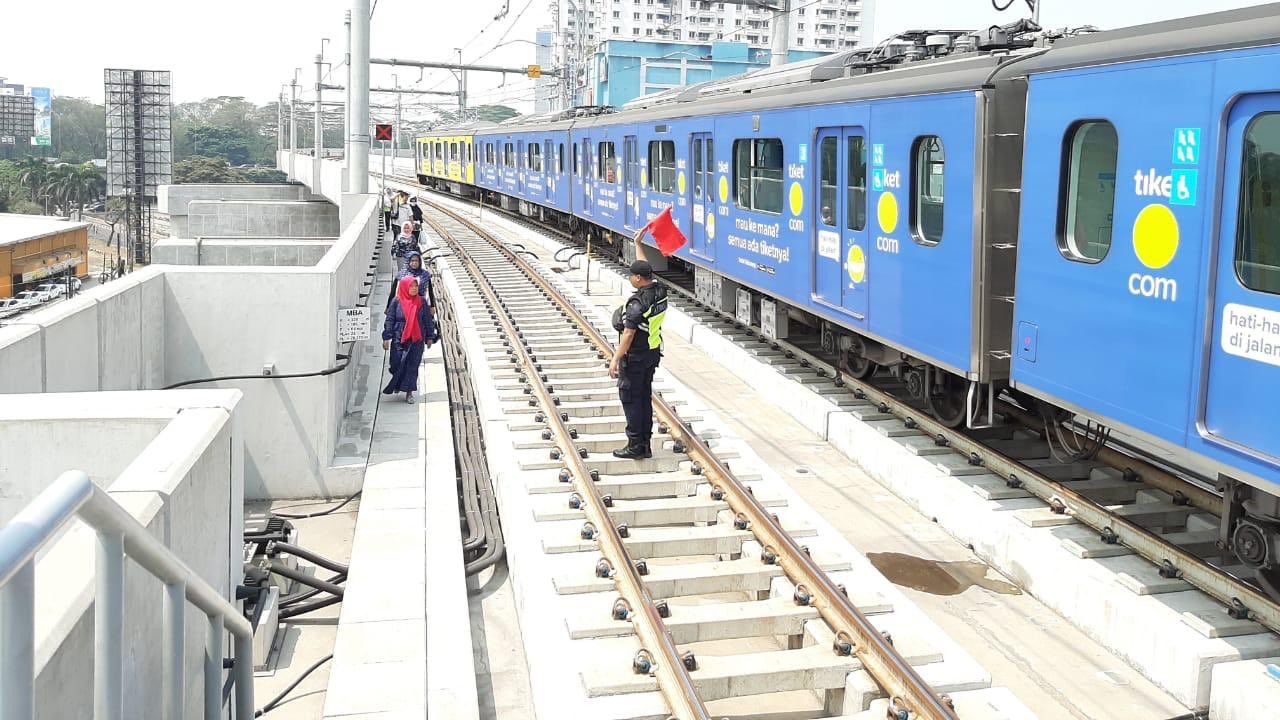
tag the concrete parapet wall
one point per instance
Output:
(266, 252)
(172, 460)
(261, 218)
(172, 201)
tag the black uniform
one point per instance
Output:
(643, 312)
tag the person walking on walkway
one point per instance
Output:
(408, 330)
(406, 242)
(413, 266)
(388, 198)
(416, 210)
(638, 353)
(401, 213)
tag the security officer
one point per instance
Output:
(638, 353)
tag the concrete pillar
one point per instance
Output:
(346, 99)
(780, 34)
(358, 99)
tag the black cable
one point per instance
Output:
(298, 597)
(278, 698)
(284, 570)
(304, 608)
(305, 554)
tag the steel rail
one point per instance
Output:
(855, 634)
(673, 677)
(1240, 599)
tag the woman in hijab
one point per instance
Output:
(413, 266)
(409, 329)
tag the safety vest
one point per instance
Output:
(653, 298)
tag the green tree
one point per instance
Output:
(73, 185)
(263, 175)
(204, 170)
(79, 129)
(221, 141)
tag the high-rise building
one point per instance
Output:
(546, 91)
(814, 26)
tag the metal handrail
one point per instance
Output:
(118, 533)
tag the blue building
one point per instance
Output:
(622, 70)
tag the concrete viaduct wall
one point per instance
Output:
(169, 324)
(268, 252)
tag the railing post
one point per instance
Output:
(17, 645)
(213, 669)
(244, 676)
(175, 635)
(108, 630)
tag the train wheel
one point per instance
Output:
(856, 362)
(946, 400)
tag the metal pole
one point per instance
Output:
(346, 101)
(243, 671)
(462, 87)
(395, 126)
(358, 99)
(175, 651)
(18, 645)
(317, 125)
(280, 121)
(384, 173)
(213, 669)
(108, 629)
(780, 35)
(293, 123)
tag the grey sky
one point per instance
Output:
(242, 47)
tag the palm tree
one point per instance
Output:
(73, 185)
(32, 172)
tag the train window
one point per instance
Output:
(1257, 256)
(488, 154)
(828, 169)
(856, 184)
(576, 147)
(757, 171)
(508, 155)
(606, 167)
(662, 165)
(453, 152)
(560, 158)
(697, 168)
(535, 157)
(631, 162)
(928, 164)
(1084, 213)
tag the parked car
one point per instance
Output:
(10, 306)
(54, 289)
(33, 297)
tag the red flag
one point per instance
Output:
(665, 232)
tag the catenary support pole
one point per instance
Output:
(346, 99)
(358, 99)
(780, 34)
(293, 124)
(280, 122)
(317, 125)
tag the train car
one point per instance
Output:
(824, 194)
(1148, 277)
(526, 159)
(446, 159)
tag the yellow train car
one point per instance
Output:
(446, 156)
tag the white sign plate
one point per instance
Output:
(353, 324)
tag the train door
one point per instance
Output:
(1243, 382)
(853, 226)
(703, 158)
(548, 170)
(588, 175)
(631, 180)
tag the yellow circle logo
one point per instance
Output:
(680, 182)
(856, 264)
(1155, 236)
(711, 225)
(724, 189)
(644, 177)
(796, 198)
(887, 212)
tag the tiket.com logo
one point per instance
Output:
(1155, 243)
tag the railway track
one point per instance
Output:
(698, 554)
(1104, 493)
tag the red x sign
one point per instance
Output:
(382, 132)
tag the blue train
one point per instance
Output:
(1088, 222)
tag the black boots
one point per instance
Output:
(635, 450)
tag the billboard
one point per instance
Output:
(44, 116)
